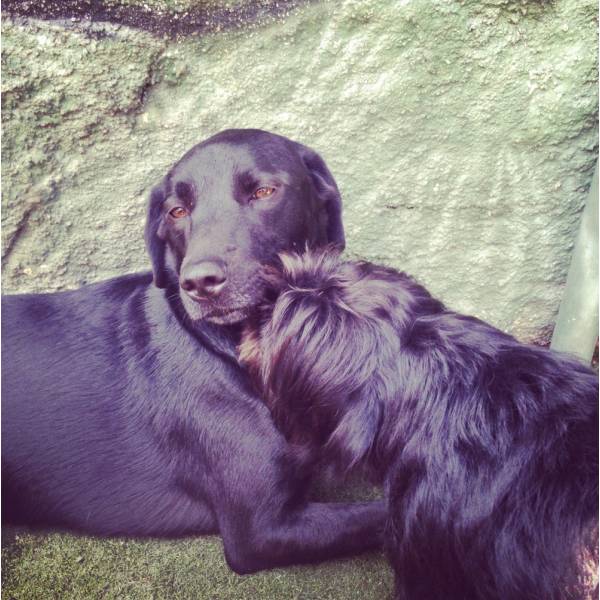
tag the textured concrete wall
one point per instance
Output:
(463, 134)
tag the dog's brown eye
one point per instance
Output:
(178, 212)
(263, 192)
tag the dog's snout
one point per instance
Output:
(203, 279)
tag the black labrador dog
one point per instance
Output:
(125, 410)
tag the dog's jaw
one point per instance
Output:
(234, 311)
(232, 316)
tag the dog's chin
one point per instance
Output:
(219, 314)
(235, 315)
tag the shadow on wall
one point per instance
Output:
(161, 16)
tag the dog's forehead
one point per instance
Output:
(222, 161)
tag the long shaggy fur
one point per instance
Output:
(488, 448)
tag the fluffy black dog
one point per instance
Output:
(488, 448)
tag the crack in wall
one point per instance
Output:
(149, 81)
(38, 201)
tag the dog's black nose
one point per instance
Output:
(203, 279)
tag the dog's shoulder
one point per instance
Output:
(70, 310)
(117, 287)
(121, 287)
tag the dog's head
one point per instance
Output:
(323, 347)
(227, 208)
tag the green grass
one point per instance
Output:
(61, 566)
(68, 567)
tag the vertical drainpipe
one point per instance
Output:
(576, 329)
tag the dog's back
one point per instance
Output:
(489, 446)
(495, 488)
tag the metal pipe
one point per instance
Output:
(576, 329)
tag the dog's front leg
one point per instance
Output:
(266, 536)
(266, 522)
(257, 486)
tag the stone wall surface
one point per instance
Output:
(463, 134)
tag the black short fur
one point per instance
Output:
(488, 447)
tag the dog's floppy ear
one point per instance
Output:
(327, 191)
(155, 242)
(354, 437)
